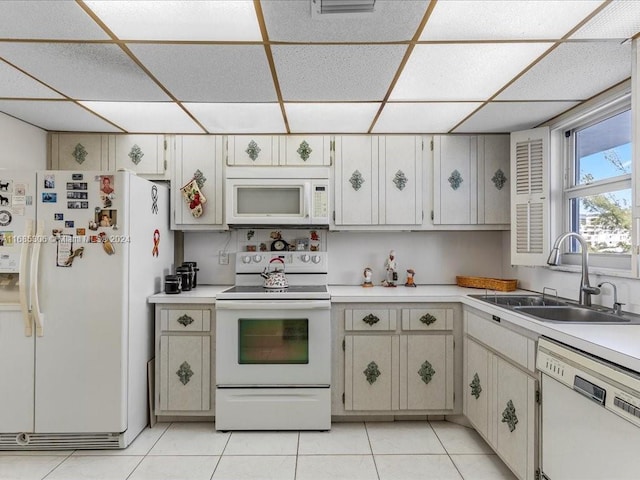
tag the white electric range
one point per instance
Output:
(273, 354)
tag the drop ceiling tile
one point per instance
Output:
(619, 19)
(330, 117)
(84, 71)
(422, 117)
(146, 117)
(502, 117)
(391, 20)
(505, 20)
(55, 115)
(336, 72)
(15, 84)
(210, 73)
(239, 117)
(180, 20)
(447, 72)
(573, 71)
(52, 19)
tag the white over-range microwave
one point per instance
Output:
(277, 196)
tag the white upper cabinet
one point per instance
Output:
(142, 154)
(400, 201)
(252, 150)
(530, 197)
(378, 180)
(471, 180)
(356, 180)
(78, 151)
(301, 150)
(199, 157)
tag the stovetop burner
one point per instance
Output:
(258, 292)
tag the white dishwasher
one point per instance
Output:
(590, 416)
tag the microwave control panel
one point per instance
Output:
(320, 201)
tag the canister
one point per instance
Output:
(172, 284)
(185, 273)
(194, 272)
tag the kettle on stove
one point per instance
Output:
(275, 278)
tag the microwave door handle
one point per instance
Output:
(23, 286)
(307, 200)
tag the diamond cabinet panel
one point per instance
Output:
(185, 366)
(252, 150)
(142, 154)
(77, 151)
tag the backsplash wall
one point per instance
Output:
(437, 257)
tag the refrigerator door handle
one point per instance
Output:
(22, 281)
(35, 300)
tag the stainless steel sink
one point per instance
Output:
(556, 310)
(577, 314)
(521, 300)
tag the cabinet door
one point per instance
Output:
(143, 154)
(426, 372)
(305, 150)
(455, 180)
(515, 418)
(197, 153)
(371, 372)
(476, 386)
(185, 369)
(245, 150)
(400, 180)
(493, 187)
(78, 151)
(356, 182)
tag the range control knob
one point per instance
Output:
(257, 258)
(305, 258)
(246, 259)
(316, 259)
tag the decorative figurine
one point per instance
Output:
(368, 274)
(390, 267)
(410, 273)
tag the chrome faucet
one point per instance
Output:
(586, 290)
(617, 306)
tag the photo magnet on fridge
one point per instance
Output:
(49, 197)
(5, 200)
(58, 216)
(49, 181)
(69, 224)
(5, 185)
(76, 176)
(5, 218)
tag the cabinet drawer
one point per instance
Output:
(374, 320)
(186, 320)
(512, 345)
(427, 319)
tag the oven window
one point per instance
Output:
(273, 341)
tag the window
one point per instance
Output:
(597, 193)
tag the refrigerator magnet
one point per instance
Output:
(80, 232)
(156, 243)
(107, 184)
(93, 225)
(5, 200)
(5, 218)
(106, 218)
(49, 181)
(106, 244)
(76, 185)
(69, 224)
(20, 189)
(48, 197)
(6, 239)
(64, 247)
(58, 216)
(76, 176)
(5, 186)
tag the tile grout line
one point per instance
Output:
(375, 465)
(446, 451)
(150, 448)
(295, 469)
(226, 444)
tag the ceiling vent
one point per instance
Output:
(324, 7)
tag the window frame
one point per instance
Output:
(621, 262)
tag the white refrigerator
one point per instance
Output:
(80, 252)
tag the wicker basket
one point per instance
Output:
(488, 283)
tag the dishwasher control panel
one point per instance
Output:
(606, 384)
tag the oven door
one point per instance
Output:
(273, 343)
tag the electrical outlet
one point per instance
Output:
(223, 258)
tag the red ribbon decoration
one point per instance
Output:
(156, 242)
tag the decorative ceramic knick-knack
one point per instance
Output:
(391, 269)
(368, 275)
(410, 273)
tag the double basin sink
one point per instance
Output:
(557, 310)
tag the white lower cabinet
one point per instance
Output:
(500, 400)
(392, 367)
(184, 360)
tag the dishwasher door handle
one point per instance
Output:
(589, 390)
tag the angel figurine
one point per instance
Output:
(390, 267)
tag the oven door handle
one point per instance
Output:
(273, 305)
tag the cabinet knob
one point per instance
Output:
(428, 319)
(509, 416)
(184, 373)
(370, 319)
(372, 372)
(185, 320)
(426, 372)
(475, 386)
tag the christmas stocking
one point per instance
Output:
(194, 198)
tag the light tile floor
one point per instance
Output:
(351, 451)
